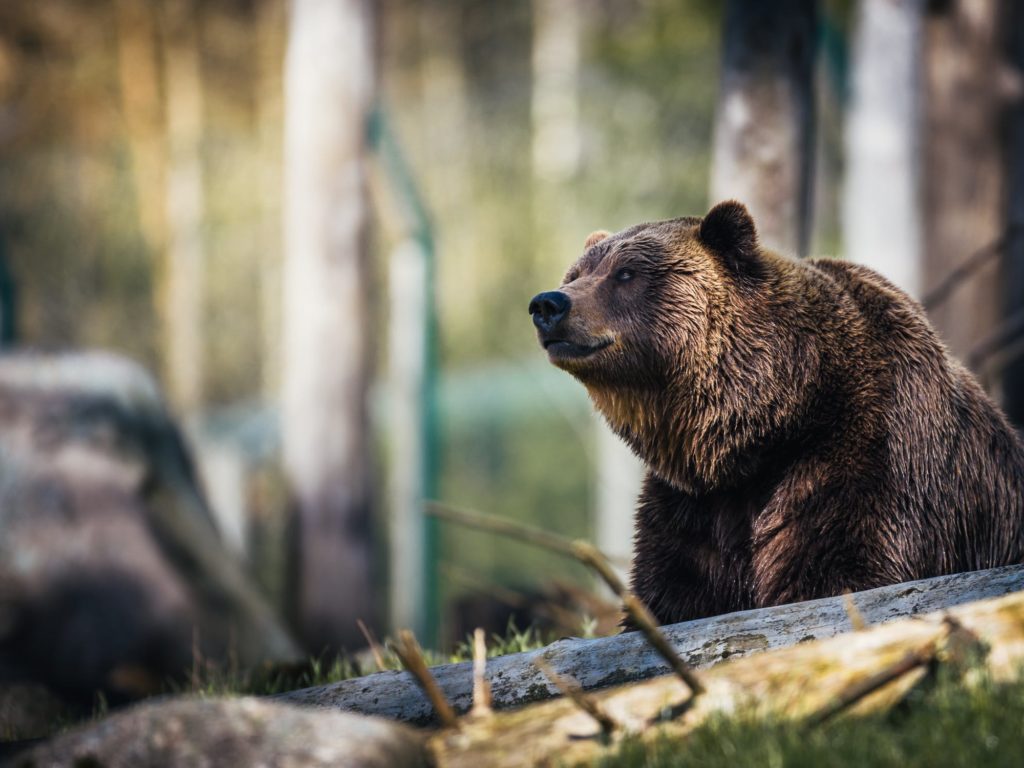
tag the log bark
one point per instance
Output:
(607, 661)
(865, 671)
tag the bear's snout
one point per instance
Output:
(548, 308)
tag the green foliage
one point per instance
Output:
(951, 723)
(656, 80)
(457, 83)
(513, 641)
(533, 469)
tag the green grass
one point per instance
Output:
(949, 724)
(214, 680)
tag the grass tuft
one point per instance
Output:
(214, 680)
(948, 723)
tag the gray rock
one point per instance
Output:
(29, 711)
(112, 573)
(196, 733)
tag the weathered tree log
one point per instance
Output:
(619, 659)
(865, 671)
(225, 733)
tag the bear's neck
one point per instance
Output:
(651, 425)
(701, 437)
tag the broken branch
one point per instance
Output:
(590, 556)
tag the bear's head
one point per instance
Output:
(667, 326)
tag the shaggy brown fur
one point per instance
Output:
(805, 431)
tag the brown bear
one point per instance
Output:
(804, 429)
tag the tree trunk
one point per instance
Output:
(964, 169)
(329, 91)
(555, 108)
(8, 314)
(702, 643)
(139, 78)
(1013, 256)
(271, 20)
(881, 210)
(764, 128)
(183, 269)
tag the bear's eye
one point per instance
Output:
(624, 275)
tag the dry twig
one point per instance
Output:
(411, 656)
(375, 649)
(594, 559)
(853, 612)
(590, 555)
(958, 276)
(572, 690)
(862, 688)
(481, 688)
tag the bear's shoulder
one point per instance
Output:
(878, 301)
(861, 280)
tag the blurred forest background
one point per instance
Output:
(356, 352)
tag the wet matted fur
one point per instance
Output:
(805, 430)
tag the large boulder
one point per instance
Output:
(232, 733)
(112, 574)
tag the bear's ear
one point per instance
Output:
(728, 230)
(594, 238)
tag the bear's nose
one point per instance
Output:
(548, 308)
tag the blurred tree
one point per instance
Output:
(763, 140)
(556, 128)
(139, 84)
(964, 168)
(330, 83)
(445, 135)
(8, 332)
(1013, 255)
(557, 141)
(881, 206)
(271, 19)
(183, 270)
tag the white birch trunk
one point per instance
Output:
(881, 200)
(329, 91)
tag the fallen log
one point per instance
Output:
(868, 670)
(607, 661)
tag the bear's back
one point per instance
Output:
(950, 452)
